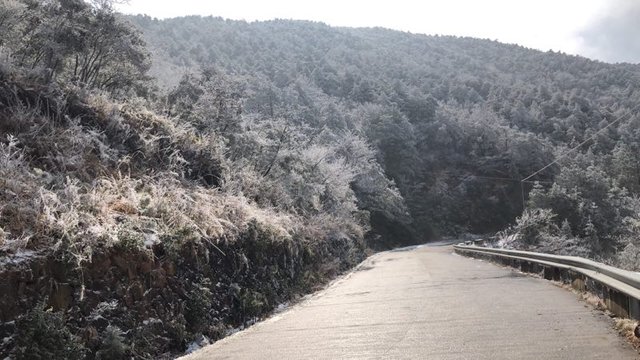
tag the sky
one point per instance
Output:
(606, 30)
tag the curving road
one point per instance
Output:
(427, 303)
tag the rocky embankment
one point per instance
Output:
(155, 302)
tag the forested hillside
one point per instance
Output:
(455, 122)
(164, 182)
(136, 223)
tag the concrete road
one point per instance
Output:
(428, 303)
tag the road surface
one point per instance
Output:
(428, 303)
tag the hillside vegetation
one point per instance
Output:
(168, 181)
(129, 229)
(456, 123)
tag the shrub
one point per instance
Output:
(530, 227)
(43, 335)
(629, 257)
(112, 345)
(198, 306)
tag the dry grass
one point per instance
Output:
(626, 328)
(163, 207)
(83, 198)
(117, 173)
(593, 300)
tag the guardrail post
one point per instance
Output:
(634, 308)
(536, 268)
(618, 303)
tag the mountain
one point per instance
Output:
(456, 122)
(164, 182)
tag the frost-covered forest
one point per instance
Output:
(455, 123)
(162, 180)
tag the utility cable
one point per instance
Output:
(592, 137)
(466, 177)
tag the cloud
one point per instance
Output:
(614, 35)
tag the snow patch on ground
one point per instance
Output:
(281, 308)
(200, 342)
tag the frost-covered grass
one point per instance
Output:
(626, 328)
(80, 170)
(115, 173)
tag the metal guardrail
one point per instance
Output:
(620, 289)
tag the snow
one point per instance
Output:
(200, 342)
(150, 240)
(281, 308)
(151, 321)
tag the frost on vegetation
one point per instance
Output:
(16, 187)
(65, 209)
(629, 257)
(200, 342)
(537, 230)
(103, 308)
(112, 344)
(529, 228)
(143, 211)
(114, 209)
(10, 155)
(43, 334)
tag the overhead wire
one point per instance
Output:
(465, 177)
(592, 137)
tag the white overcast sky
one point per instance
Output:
(539, 24)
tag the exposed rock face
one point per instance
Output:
(163, 299)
